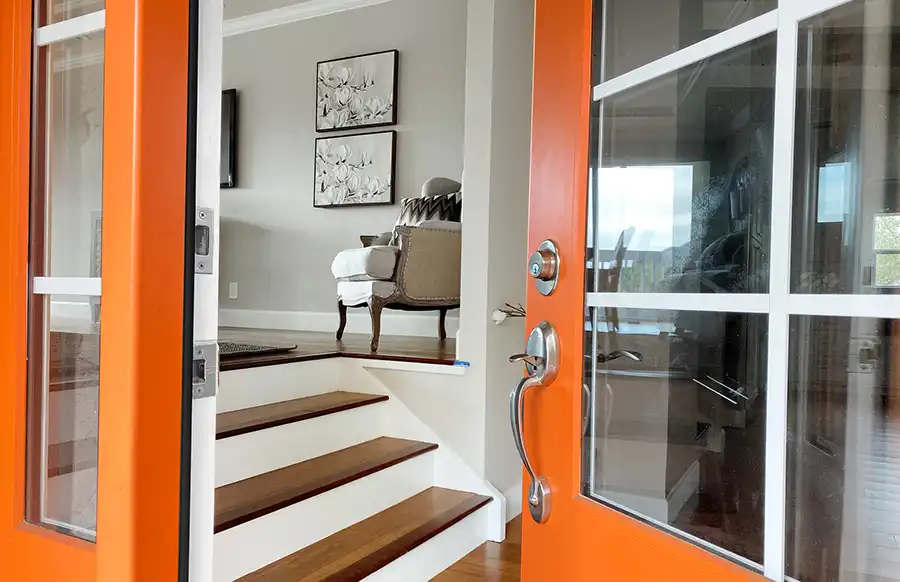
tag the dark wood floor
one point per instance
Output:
(490, 562)
(315, 345)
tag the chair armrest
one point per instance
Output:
(370, 240)
(428, 269)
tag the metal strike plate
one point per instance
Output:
(204, 229)
(205, 369)
(543, 266)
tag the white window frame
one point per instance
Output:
(780, 303)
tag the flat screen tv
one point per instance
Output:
(228, 170)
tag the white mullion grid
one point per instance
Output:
(71, 28)
(84, 286)
(740, 34)
(722, 302)
(872, 306)
(779, 291)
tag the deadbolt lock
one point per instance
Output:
(543, 266)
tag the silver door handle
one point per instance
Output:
(539, 490)
(541, 358)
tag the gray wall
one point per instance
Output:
(274, 244)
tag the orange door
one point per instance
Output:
(715, 177)
(93, 150)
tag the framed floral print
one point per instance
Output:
(355, 170)
(357, 92)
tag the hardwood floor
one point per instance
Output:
(490, 562)
(316, 345)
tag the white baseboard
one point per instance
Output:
(513, 501)
(392, 322)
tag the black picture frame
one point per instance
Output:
(228, 168)
(351, 137)
(394, 91)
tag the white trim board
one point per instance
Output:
(423, 324)
(294, 13)
(513, 501)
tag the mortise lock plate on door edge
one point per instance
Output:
(204, 228)
(204, 369)
(543, 266)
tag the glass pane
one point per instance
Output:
(63, 470)
(681, 200)
(64, 336)
(633, 38)
(843, 489)
(678, 437)
(73, 147)
(847, 150)
(53, 11)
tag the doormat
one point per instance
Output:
(237, 349)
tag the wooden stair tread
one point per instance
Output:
(238, 422)
(242, 501)
(365, 547)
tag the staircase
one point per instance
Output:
(317, 483)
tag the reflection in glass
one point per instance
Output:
(846, 233)
(74, 155)
(678, 437)
(843, 488)
(633, 39)
(64, 480)
(65, 233)
(53, 11)
(681, 198)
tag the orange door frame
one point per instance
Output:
(144, 182)
(27, 552)
(582, 539)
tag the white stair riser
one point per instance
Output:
(250, 546)
(437, 554)
(239, 389)
(243, 456)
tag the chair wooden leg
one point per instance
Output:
(442, 324)
(376, 305)
(342, 311)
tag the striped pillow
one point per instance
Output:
(440, 207)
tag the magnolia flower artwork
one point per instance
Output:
(357, 92)
(355, 170)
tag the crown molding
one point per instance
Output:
(295, 13)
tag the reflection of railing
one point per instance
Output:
(641, 271)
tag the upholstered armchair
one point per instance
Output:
(415, 267)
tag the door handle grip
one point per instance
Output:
(517, 419)
(628, 354)
(539, 489)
